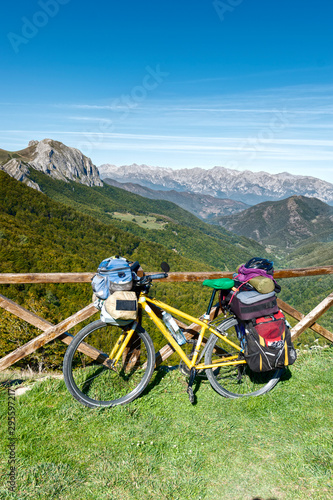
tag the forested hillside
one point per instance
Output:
(182, 232)
(284, 224)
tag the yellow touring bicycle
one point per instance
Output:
(111, 363)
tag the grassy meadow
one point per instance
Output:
(274, 447)
(145, 221)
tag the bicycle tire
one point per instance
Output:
(94, 383)
(235, 381)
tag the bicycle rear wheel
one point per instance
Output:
(95, 382)
(235, 381)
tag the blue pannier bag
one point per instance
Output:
(113, 274)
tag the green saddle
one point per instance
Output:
(219, 284)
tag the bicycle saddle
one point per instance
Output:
(219, 284)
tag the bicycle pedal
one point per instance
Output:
(109, 363)
(190, 394)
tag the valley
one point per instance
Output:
(205, 207)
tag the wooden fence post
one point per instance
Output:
(51, 333)
(311, 318)
(44, 325)
(299, 316)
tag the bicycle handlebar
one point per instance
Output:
(157, 276)
(135, 266)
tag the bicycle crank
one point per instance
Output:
(190, 392)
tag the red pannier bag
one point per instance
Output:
(268, 343)
(271, 328)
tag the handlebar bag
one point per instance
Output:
(122, 305)
(268, 343)
(113, 274)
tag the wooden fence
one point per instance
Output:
(60, 331)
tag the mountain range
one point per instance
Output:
(245, 186)
(69, 164)
(69, 177)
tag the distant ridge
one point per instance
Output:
(284, 224)
(201, 205)
(245, 186)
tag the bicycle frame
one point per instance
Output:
(144, 302)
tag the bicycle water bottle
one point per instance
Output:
(173, 328)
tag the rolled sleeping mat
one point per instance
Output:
(262, 284)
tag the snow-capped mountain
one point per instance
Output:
(65, 163)
(53, 158)
(248, 187)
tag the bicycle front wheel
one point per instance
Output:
(235, 381)
(93, 379)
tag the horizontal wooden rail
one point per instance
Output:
(11, 278)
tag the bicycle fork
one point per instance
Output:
(121, 345)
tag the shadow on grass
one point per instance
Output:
(196, 386)
(260, 498)
(160, 373)
(10, 382)
(286, 375)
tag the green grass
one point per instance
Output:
(24, 154)
(277, 446)
(144, 221)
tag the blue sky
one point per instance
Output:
(246, 84)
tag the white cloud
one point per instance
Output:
(277, 129)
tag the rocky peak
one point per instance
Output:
(20, 171)
(54, 159)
